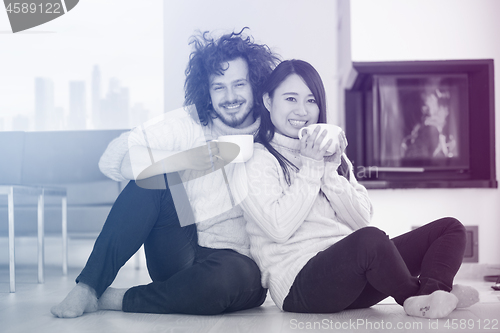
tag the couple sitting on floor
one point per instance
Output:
(297, 224)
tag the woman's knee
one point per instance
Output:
(370, 235)
(373, 240)
(452, 225)
(455, 224)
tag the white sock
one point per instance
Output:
(466, 295)
(439, 304)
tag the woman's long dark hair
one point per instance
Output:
(313, 81)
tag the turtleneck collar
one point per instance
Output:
(286, 142)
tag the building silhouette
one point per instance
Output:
(96, 97)
(114, 108)
(44, 103)
(77, 111)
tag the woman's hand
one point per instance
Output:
(310, 144)
(340, 149)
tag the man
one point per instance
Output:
(201, 268)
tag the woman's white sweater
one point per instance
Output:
(220, 225)
(288, 225)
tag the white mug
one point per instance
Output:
(227, 152)
(332, 132)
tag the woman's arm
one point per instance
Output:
(348, 198)
(279, 209)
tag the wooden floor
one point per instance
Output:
(28, 310)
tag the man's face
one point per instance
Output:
(231, 94)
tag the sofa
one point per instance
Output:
(67, 159)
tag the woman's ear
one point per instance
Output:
(267, 101)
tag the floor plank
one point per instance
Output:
(28, 310)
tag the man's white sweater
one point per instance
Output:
(220, 225)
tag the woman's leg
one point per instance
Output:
(219, 281)
(434, 252)
(335, 278)
(138, 216)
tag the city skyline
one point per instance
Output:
(111, 110)
(66, 50)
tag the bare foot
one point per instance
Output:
(466, 295)
(439, 304)
(111, 299)
(80, 299)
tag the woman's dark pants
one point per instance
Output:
(365, 267)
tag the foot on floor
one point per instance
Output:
(111, 299)
(80, 299)
(439, 304)
(466, 295)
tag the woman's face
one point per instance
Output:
(292, 106)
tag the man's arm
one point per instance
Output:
(151, 162)
(146, 166)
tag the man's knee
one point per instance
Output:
(241, 285)
(239, 272)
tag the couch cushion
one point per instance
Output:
(61, 157)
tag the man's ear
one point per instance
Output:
(267, 101)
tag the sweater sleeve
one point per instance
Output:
(111, 160)
(168, 133)
(278, 209)
(348, 198)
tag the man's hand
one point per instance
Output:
(199, 158)
(204, 158)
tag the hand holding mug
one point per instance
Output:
(201, 158)
(336, 156)
(333, 133)
(311, 145)
(235, 148)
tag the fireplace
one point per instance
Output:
(422, 124)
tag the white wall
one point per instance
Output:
(293, 28)
(385, 30)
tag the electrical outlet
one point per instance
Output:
(472, 246)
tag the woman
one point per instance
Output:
(307, 216)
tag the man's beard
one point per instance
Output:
(234, 120)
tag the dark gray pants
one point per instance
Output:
(186, 278)
(365, 267)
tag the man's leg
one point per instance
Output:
(138, 216)
(219, 281)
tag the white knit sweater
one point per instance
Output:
(288, 225)
(219, 224)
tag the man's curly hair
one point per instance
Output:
(208, 58)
